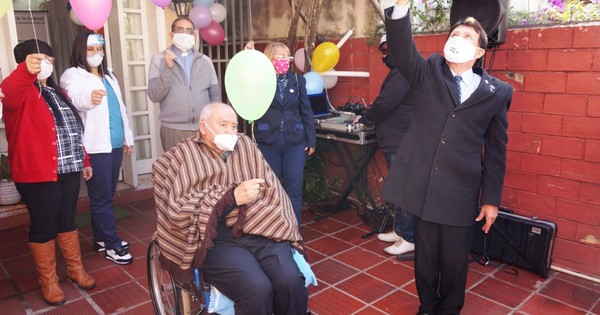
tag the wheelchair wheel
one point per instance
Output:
(163, 290)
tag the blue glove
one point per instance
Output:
(309, 275)
(219, 303)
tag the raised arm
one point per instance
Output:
(401, 46)
(160, 76)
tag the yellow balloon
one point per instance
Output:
(325, 57)
(4, 5)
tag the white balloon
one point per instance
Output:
(74, 18)
(330, 80)
(219, 13)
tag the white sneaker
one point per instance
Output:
(119, 256)
(100, 246)
(390, 237)
(399, 248)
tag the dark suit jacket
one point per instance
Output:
(294, 113)
(453, 157)
(390, 113)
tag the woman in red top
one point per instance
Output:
(47, 158)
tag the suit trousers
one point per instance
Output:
(101, 189)
(441, 265)
(51, 206)
(287, 161)
(258, 274)
(171, 137)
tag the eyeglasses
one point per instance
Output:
(181, 30)
(283, 57)
(384, 51)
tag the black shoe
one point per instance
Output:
(99, 246)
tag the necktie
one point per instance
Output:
(458, 79)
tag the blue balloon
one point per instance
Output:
(314, 83)
(204, 3)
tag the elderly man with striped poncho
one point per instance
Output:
(221, 207)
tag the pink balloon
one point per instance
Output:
(92, 13)
(161, 3)
(201, 16)
(299, 59)
(213, 34)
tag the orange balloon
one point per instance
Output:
(325, 57)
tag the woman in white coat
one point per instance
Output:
(95, 92)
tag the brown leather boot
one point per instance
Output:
(44, 256)
(69, 245)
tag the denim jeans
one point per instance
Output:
(287, 162)
(403, 220)
(101, 189)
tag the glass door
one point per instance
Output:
(130, 57)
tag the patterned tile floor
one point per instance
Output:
(355, 276)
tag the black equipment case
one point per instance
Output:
(519, 240)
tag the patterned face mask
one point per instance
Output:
(282, 65)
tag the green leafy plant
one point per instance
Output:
(558, 12)
(434, 15)
(315, 183)
(4, 168)
(317, 186)
(431, 15)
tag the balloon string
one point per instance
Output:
(37, 45)
(252, 132)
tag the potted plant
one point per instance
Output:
(8, 191)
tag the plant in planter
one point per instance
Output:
(8, 190)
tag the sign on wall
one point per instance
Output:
(25, 27)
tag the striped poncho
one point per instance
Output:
(189, 182)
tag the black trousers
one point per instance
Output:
(258, 274)
(51, 206)
(441, 265)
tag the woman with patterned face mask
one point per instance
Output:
(95, 92)
(47, 158)
(286, 133)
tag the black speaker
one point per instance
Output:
(492, 14)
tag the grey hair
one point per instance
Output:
(207, 110)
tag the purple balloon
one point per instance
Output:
(201, 16)
(161, 3)
(213, 34)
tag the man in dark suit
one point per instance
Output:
(453, 157)
(391, 115)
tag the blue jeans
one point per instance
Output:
(101, 189)
(403, 220)
(287, 161)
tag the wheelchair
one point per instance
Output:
(170, 297)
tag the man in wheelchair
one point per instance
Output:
(222, 209)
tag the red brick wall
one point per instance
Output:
(553, 167)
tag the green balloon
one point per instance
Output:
(250, 83)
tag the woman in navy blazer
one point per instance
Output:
(286, 133)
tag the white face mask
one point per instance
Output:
(184, 42)
(95, 60)
(459, 50)
(224, 141)
(46, 70)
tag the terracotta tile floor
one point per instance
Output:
(355, 276)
